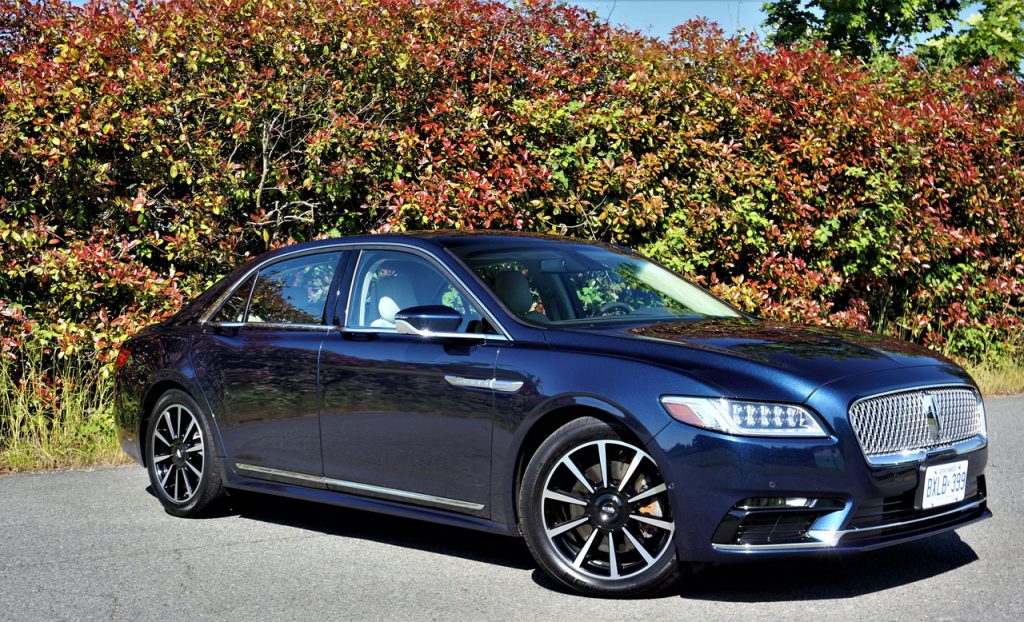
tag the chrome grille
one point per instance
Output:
(916, 420)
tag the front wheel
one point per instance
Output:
(181, 456)
(595, 512)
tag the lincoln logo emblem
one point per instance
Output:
(931, 414)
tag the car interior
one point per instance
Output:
(387, 282)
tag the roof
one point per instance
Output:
(426, 239)
(449, 237)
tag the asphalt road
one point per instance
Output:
(94, 545)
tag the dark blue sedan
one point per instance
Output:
(621, 419)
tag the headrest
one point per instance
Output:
(514, 290)
(394, 293)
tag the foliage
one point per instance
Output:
(886, 197)
(862, 28)
(997, 31)
(931, 28)
(147, 147)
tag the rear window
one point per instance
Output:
(293, 291)
(233, 309)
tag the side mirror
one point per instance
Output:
(427, 320)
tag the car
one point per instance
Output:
(627, 423)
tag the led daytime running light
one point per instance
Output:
(744, 418)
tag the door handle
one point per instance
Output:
(505, 386)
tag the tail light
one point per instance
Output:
(122, 357)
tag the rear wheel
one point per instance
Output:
(181, 456)
(595, 512)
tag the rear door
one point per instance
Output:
(257, 361)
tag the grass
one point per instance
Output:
(998, 378)
(55, 424)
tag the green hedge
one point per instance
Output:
(145, 148)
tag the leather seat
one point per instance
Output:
(513, 288)
(394, 293)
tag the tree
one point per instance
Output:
(861, 28)
(931, 29)
(997, 31)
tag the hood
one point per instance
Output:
(759, 359)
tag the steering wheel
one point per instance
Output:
(615, 305)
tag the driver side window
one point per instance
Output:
(387, 282)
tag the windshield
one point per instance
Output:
(553, 283)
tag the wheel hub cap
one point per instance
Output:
(609, 510)
(178, 455)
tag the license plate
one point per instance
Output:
(943, 484)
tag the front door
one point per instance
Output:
(405, 417)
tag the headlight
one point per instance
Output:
(744, 418)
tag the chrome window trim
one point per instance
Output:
(445, 269)
(340, 483)
(830, 539)
(976, 442)
(391, 331)
(219, 302)
(359, 247)
(276, 325)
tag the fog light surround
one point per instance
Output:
(775, 502)
(767, 522)
(744, 417)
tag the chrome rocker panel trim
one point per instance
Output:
(356, 486)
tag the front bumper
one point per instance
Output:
(865, 507)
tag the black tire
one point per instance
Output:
(182, 457)
(573, 556)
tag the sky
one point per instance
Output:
(657, 17)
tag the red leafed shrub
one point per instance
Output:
(146, 147)
(885, 197)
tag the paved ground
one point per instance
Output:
(95, 545)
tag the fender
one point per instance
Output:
(584, 400)
(505, 470)
(190, 385)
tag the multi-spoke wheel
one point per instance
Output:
(178, 453)
(595, 511)
(182, 464)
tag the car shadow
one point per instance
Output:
(392, 530)
(841, 576)
(819, 578)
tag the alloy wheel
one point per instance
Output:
(606, 511)
(178, 453)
